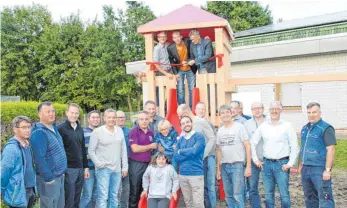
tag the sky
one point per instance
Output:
(286, 10)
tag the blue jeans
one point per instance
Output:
(210, 181)
(88, 198)
(180, 86)
(124, 199)
(317, 192)
(234, 184)
(253, 182)
(108, 187)
(272, 175)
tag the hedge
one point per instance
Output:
(9, 110)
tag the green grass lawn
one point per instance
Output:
(340, 161)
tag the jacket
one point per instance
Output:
(175, 59)
(313, 150)
(13, 165)
(207, 53)
(48, 150)
(74, 145)
(167, 142)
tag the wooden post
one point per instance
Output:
(222, 72)
(149, 43)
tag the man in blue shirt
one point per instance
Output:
(125, 188)
(17, 167)
(189, 155)
(49, 157)
(89, 194)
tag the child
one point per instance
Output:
(166, 138)
(161, 181)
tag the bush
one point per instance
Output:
(9, 110)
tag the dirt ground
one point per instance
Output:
(296, 192)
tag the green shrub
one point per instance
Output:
(9, 110)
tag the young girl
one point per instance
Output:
(160, 182)
(166, 138)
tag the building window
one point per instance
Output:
(290, 95)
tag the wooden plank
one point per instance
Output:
(149, 42)
(278, 91)
(285, 79)
(213, 104)
(161, 95)
(186, 91)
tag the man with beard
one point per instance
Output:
(189, 156)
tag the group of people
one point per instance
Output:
(193, 53)
(112, 165)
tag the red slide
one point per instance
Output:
(172, 110)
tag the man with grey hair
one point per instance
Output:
(201, 50)
(17, 171)
(235, 109)
(280, 151)
(251, 126)
(108, 151)
(201, 125)
(49, 157)
(318, 143)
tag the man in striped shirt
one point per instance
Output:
(88, 198)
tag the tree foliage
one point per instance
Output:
(71, 60)
(242, 15)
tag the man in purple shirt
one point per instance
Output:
(141, 146)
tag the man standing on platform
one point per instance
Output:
(200, 51)
(141, 141)
(318, 143)
(178, 53)
(280, 150)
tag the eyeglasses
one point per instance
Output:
(24, 127)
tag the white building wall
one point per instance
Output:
(331, 95)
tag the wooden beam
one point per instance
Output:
(285, 79)
(149, 42)
(278, 91)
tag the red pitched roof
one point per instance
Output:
(185, 18)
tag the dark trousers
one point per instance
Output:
(158, 203)
(136, 171)
(31, 196)
(51, 195)
(73, 184)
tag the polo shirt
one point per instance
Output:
(139, 137)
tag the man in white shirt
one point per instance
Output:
(280, 151)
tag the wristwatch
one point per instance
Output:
(328, 170)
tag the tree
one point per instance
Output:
(242, 15)
(20, 28)
(137, 14)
